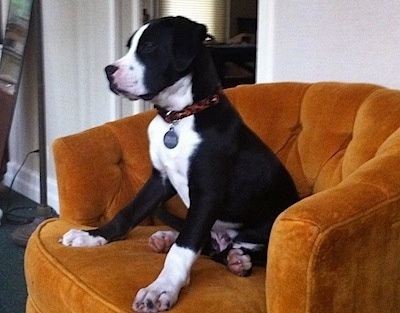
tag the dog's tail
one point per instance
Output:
(169, 218)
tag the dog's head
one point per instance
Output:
(160, 53)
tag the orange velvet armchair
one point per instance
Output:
(335, 251)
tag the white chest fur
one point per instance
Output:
(174, 163)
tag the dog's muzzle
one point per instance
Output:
(110, 70)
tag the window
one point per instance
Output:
(209, 12)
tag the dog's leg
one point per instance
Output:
(161, 241)
(162, 294)
(155, 191)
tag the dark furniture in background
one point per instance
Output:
(242, 55)
(236, 62)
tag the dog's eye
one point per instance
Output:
(147, 47)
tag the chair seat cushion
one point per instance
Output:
(106, 278)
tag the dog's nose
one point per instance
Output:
(110, 69)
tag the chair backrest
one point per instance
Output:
(322, 132)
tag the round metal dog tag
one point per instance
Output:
(170, 139)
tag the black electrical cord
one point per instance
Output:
(10, 215)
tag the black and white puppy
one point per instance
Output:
(232, 184)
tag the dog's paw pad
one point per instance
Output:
(81, 238)
(239, 263)
(161, 241)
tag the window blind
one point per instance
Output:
(209, 12)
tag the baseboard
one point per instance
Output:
(27, 183)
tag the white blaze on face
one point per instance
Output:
(130, 74)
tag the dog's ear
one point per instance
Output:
(188, 38)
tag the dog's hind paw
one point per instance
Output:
(161, 241)
(239, 263)
(81, 238)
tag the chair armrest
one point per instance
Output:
(337, 251)
(100, 170)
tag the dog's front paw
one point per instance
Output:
(161, 241)
(155, 299)
(81, 238)
(239, 263)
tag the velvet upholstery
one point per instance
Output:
(335, 251)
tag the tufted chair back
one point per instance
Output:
(322, 132)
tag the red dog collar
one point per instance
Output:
(171, 116)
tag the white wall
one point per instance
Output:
(339, 40)
(299, 40)
(80, 38)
